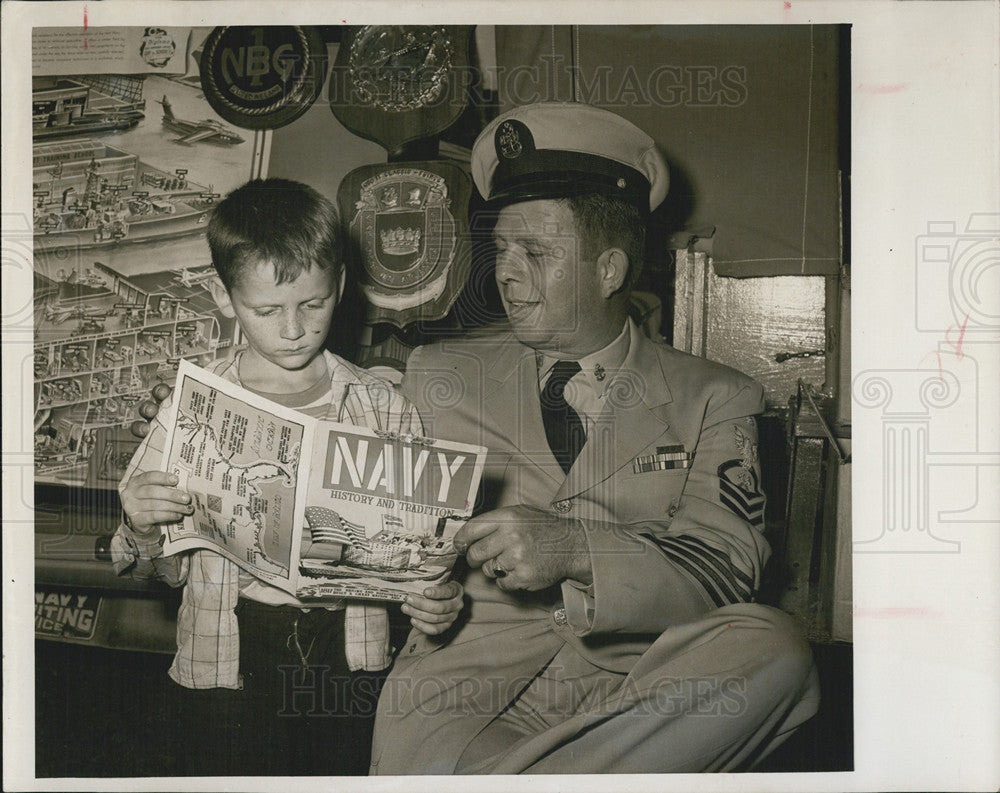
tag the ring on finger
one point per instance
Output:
(493, 570)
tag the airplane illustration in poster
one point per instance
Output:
(208, 130)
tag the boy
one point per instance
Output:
(267, 686)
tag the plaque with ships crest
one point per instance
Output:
(397, 83)
(408, 228)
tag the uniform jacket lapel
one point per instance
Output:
(512, 402)
(634, 418)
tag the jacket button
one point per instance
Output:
(559, 617)
(672, 509)
(565, 505)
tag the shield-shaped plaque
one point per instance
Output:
(408, 229)
(397, 83)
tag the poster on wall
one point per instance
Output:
(128, 159)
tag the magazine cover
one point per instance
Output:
(371, 516)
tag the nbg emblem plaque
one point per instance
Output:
(265, 76)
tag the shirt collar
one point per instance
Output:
(597, 368)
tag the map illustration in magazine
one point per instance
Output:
(320, 509)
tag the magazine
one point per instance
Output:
(320, 509)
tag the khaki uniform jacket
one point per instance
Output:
(667, 489)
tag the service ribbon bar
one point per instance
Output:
(665, 459)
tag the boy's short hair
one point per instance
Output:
(274, 220)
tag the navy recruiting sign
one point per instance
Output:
(67, 615)
(262, 77)
(408, 227)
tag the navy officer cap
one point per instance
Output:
(562, 149)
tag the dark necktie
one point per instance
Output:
(563, 428)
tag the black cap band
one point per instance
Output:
(551, 173)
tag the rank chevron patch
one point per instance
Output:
(715, 572)
(747, 502)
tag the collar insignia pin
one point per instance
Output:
(599, 373)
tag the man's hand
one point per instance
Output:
(437, 609)
(152, 498)
(149, 408)
(526, 548)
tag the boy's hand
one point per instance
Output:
(437, 609)
(151, 498)
(149, 408)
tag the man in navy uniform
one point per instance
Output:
(610, 623)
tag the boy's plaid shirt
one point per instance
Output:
(208, 649)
